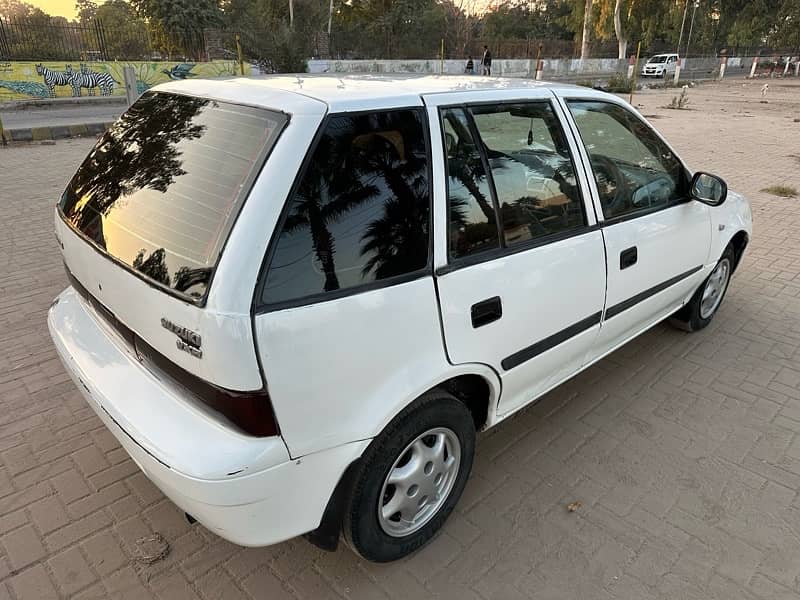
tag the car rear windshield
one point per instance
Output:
(160, 190)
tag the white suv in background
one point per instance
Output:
(660, 65)
(295, 300)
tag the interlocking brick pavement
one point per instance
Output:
(683, 449)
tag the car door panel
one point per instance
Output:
(657, 242)
(666, 247)
(672, 247)
(346, 317)
(551, 290)
(551, 297)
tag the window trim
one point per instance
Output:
(242, 196)
(258, 307)
(455, 264)
(497, 253)
(602, 220)
(484, 162)
(487, 167)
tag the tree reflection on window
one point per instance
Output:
(161, 187)
(472, 218)
(361, 211)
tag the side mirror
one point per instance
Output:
(709, 189)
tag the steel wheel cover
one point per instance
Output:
(715, 287)
(419, 482)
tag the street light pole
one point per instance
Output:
(691, 26)
(683, 24)
(680, 39)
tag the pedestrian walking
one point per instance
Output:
(470, 68)
(486, 61)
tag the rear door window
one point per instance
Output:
(160, 190)
(360, 213)
(532, 170)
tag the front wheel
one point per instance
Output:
(701, 309)
(410, 478)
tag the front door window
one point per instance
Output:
(634, 169)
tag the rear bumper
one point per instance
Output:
(244, 489)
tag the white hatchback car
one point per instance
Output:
(660, 65)
(294, 300)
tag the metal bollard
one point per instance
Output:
(678, 69)
(539, 63)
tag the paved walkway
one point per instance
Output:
(684, 450)
(60, 116)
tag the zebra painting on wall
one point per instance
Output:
(91, 80)
(54, 78)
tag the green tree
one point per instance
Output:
(126, 32)
(785, 31)
(587, 28)
(177, 24)
(86, 11)
(14, 9)
(268, 34)
(619, 31)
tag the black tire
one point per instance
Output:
(690, 317)
(361, 527)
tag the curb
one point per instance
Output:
(55, 132)
(44, 103)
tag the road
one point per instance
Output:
(61, 115)
(683, 449)
(105, 113)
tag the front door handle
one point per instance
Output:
(628, 258)
(486, 311)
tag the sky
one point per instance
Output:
(57, 8)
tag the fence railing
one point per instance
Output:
(27, 40)
(44, 41)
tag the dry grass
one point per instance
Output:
(784, 191)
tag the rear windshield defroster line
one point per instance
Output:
(161, 189)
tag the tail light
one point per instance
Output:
(250, 411)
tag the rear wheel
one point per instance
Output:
(410, 478)
(700, 310)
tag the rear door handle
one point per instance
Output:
(486, 311)
(628, 258)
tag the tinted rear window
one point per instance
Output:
(361, 211)
(161, 188)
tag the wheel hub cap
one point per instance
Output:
(716, 284)
(419, 482)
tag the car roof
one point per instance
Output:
(312, 94)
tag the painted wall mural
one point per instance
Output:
(32, 80)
